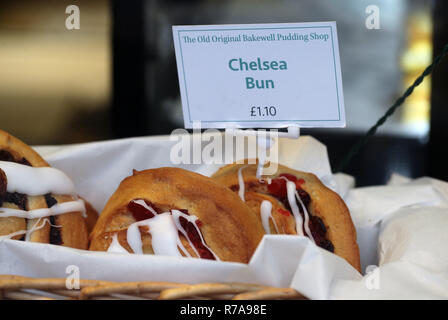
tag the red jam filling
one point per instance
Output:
(195, 238)
(278, 185)
(199, 223)
(8, 156)
(277, 188)
(284, 212)
(141, 213)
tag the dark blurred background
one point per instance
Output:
(116, 76)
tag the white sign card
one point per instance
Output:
(260, 75)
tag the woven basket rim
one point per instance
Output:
(28, 288)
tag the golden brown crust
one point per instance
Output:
(72, 227)
(41, 235)
(325, 204)
(10, 225)
(20, 149)
(284, 224)
(229, 227)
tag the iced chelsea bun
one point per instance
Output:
(295, 202)
(38, 203)
(175, 212)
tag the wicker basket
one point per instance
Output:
(24, 288)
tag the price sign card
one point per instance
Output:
(260, 75)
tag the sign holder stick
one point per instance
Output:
(292, 133)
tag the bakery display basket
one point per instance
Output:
(25, 288)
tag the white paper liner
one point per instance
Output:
(402, 230)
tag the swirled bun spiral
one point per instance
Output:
(324, 215)
(209, 221)
(67, 228)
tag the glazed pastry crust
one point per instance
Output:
(20, 149)
(229, 227)
(325, 203)
(73, 230)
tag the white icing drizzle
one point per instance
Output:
(290, 191)
(190, 218)
(266, 214)
(307, 218)
(57, 209)
(164, 235)
(134, 238)
(28, 233)
(292, 194)
(35, 227)
(241, 183)
(176, 214)
(144, 205)
(164, 229)
(9, 236)
(115, 246)
(36, 181)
